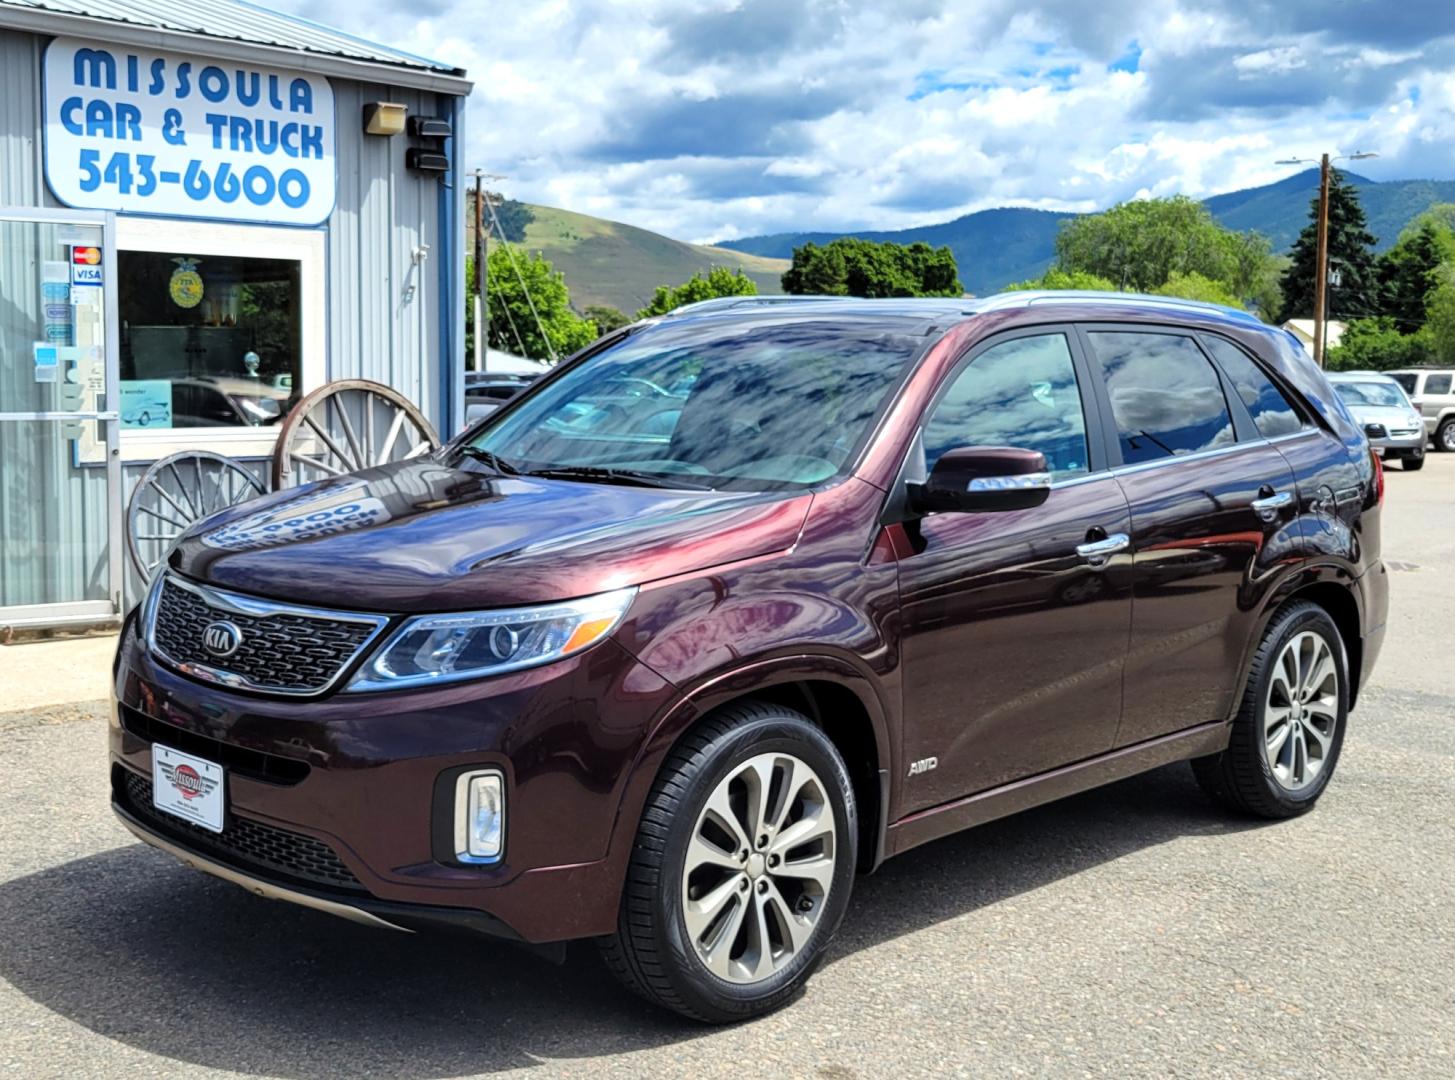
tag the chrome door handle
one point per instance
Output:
(1097, 552)
(1268, 508)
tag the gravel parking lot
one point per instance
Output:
(1129, 931)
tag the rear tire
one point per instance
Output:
(719, 920)
(1289, 729)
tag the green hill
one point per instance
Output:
(606, 262)
(996, 247)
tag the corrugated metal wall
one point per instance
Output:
(384, 303)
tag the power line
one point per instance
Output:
(495, 218)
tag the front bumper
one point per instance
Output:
(1401, 445)
(358, 777)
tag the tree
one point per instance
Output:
(1351, 253)
(850, 266)
(513, 216)
(530, 306)
(720, 281)
(1194, 286)
(1439, 328)
(1056, 278)
(1138, 245)
(1408, 272)
(1375, 345)
(607, 318)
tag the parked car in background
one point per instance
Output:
(227, 401)
(1432, 391)
(1393, 425)
(486, 391)
(839, 578)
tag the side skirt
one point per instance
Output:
(926, 825)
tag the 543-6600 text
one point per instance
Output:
(139, 174)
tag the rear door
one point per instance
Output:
(1211, 501)
(1015, 624)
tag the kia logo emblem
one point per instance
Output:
(221, 639)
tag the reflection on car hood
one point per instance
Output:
(420, 536)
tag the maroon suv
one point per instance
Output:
(743, 601)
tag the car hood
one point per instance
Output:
(421, 536)
(1391, 416)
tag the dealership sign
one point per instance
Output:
(159, 133)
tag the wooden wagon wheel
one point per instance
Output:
(176, 492)
(347, 426)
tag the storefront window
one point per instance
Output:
(207, 340)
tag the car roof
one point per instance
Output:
(1358, 376)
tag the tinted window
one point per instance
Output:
(1437, 384)
(1270, 410)
(1165, 397)
(1019, 393)
(759, 404)
(1407, 380)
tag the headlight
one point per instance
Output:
(431, 649)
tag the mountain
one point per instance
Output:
(606, 262)
(996, 247)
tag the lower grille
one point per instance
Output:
(244, 844)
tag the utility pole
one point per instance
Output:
(1321, 257)
(482, 326)
(1321, 260)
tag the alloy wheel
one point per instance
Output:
(759, 866)
(1447, 436)
(1301, 711)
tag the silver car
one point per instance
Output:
(1394, 426)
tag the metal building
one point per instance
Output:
(207, 209)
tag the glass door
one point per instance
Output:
(60, 466)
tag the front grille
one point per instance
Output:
(284, 649)
(243, 843)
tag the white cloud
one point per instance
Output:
(746, 116)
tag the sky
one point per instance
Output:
(718, 119)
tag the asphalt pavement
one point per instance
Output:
(1131, 931)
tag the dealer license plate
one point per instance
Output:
(187, 787)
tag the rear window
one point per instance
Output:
(1165, 396)
(1407, 379)
(1270, 410)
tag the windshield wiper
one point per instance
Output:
(601, 474)
(490, 458)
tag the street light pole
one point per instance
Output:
(1321, 256)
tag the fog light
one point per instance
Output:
(479, 817)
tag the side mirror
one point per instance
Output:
(984, 478)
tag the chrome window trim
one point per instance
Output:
(256, 607)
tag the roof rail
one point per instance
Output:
(1028, 297)
(722, 303)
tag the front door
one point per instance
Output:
(1015, 624)
(60, 482)
(1208, 495)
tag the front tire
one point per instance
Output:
(1288, 733)
(742, 867)
(1445, 434)
(1414, 462)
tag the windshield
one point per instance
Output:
(1371, 393)
(763, 405)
